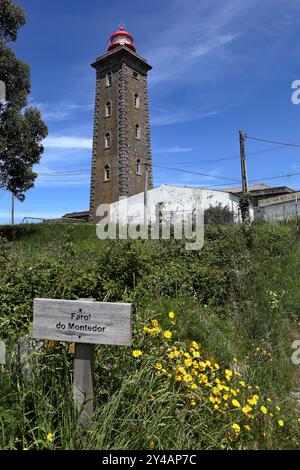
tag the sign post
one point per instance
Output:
(85, 323)
(2, 353)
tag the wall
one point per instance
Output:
(173, 201)
(281, 211)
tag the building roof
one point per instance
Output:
(279, 199)
(252, 187)
(76, 215)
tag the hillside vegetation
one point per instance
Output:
(210, 366)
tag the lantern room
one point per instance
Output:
(121, 38)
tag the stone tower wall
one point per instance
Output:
(125, 147)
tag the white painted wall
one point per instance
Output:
(174, 199)
(281, 211)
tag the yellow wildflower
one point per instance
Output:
(187, 378)
(247, 427)
(264, 410)
(49, 437)
(236, 403)
(171, 314)
(173, 354)
(203, 378)
(167, 334)
(280, 423)
(246, 409)
(188, 362)
(193, 403)
(137, 353)
(195, 345)
(253, 400)
(236, 428)
(158, 366)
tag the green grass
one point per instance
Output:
(239, 293)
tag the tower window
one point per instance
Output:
(109, 79)
(136, 100)
(138, 167)
(106, 173)
(137, 130)
(135, 75)
(108, 109)
(107, 140)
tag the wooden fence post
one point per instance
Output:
(83, 384)
(2, 353)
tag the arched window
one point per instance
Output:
(138, 167)
(107, 140)
(109, 79)
(108, 109)
(137, 130)
(136, 100)
(106, 173)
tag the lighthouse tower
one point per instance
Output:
(121, 136)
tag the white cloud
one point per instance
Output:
(68, 142)
(175, 149)
(203, 34)
(60, 111)
(163, 118)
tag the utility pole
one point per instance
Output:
(243, 162)
(244, 202)
(12, 209)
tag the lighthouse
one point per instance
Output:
(121, 153)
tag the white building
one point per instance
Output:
(284, 207)
(172, 203)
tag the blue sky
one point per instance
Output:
(218, 66)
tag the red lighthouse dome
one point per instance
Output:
(121, 38)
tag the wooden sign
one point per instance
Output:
(85, 323)
(82, 321)
(2, 353)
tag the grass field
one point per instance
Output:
(215, 373)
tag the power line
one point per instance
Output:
(231, 180)
(260, 179)
(72, 172)
(234, 157)
(273, 141)
(195, 173)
